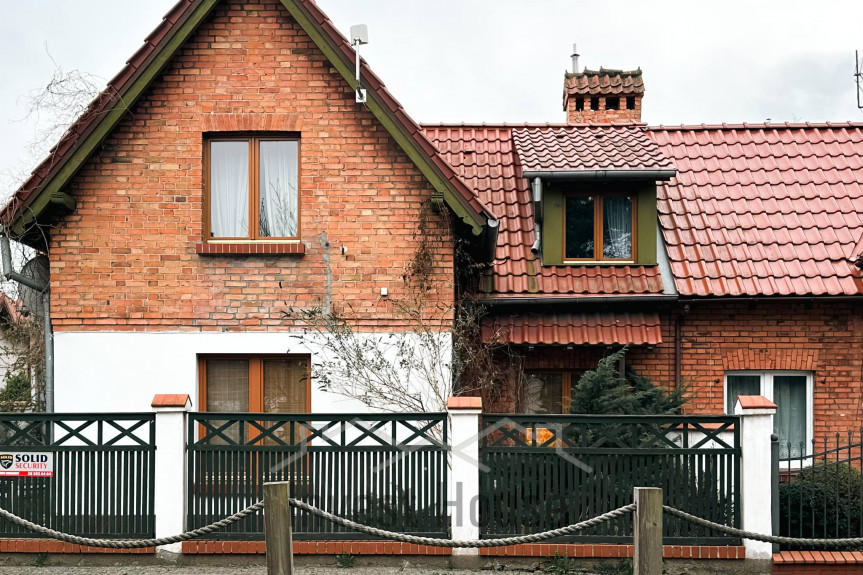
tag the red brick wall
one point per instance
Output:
(824, 338)
(602, 115)
(126, 260)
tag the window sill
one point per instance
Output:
(601, 263)
(250, 248)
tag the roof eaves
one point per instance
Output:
(601, 174)
(45, 186)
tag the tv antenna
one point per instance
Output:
(858, 75)
(359, 36)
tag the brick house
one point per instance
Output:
(226, 175)
(726, 257)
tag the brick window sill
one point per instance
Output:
(249, 248)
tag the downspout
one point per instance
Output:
(678, 347)
(10, 274)
(537, 216)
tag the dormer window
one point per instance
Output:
(599, 227)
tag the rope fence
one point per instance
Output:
(430, 541)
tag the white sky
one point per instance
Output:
(503, 60)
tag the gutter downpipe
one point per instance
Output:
(10, 274)
(537, 216)
(678, 347)
(489, 240)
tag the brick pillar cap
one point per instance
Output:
(755, 402)
(464, 402)
(171, 400)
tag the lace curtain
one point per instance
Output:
(617, 228)
(229, 189)
(278, 189)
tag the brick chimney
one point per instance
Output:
(602, 96)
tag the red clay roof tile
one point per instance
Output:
(587, 148)
(763, 209)
(573, 329)
(485, 157)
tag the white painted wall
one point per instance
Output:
(122, 371)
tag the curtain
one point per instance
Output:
(543, 393)
(789, 423)
(617, 228)
(278, 189)
(228, 392)
(285, 391)
(229, 189)
(740, 385)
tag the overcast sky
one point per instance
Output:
(503, 60)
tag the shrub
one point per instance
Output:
(825, 500)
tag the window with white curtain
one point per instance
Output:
(791, 391)
(252, 188)
(599, 227)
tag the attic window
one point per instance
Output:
(630, 102)
(594, 104)
(579, 104)
(599, 227)
(612, 103)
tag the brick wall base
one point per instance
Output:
(393, 548)
(52, 546)
(815, 562)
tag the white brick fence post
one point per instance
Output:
(756, 468)
(464, 416)
(170, 487)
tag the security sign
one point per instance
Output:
(26, 464)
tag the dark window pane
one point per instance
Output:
(740, 385)
(279, 201)
(579, 227)
(543, 393)
(617, 227)
(229, 189)
(789, 423)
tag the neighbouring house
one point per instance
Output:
(726, 257)
(228, 174)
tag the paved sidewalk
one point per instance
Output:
(234, 570)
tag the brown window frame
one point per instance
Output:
(256, 377)
(598, 219)
(254, 140)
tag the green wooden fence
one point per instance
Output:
(103, 474)
(541, 472)
(385, 470)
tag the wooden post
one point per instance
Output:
(648, 531)
(277, 528)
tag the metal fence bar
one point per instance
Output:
(382, 469)
(820, 490)
(549, 470)
(103, 473)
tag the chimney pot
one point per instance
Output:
(575, 59)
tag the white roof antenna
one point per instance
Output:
(359, 36)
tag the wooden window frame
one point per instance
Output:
(598, 206)
(256, 377)
(254, 139)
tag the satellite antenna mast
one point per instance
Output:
(359, 36)
(859, 76)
